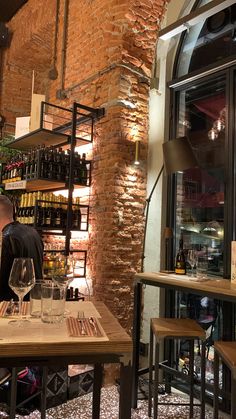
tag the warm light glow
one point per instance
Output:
(137, 152)
(81, 235)
(213, 134)
(86, 148)
(81, 192)
(77, 193)
(219, 125)
(220, 233)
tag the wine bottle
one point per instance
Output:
(84, 170)
(27, 205)
(77, 168)
(180, 264)
(32, 208)
(19, 212)
(47, 212)
(39, 213)
(76, 218)
(57, 222)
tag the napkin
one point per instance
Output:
(84, 327)
(8, 308)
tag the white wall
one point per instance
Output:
(159, 128)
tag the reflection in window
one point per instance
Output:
(200, 191)
(208, 42)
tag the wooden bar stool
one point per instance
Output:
(163, 328)
(227, 352)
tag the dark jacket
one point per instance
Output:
(19, 240)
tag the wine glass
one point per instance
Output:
(192, 259)
(21, 281)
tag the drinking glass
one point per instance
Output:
(192, 259)
(21, 281)
(62, 275)
(52, 302)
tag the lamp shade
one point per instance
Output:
(178, 155)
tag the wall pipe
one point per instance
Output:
(63, 50)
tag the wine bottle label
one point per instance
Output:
(180, 271)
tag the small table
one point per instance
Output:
(220, 289)
(41, 349)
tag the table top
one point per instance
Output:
(35, 339)
(218, 288)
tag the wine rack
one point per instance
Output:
(49, 162)
(46, 169)
(50, 215)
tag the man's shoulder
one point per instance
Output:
(17, 229)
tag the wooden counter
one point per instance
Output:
(222, 289)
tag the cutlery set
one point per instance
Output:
(82, 321)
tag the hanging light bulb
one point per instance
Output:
(213, 134)
(219, 125)
(186, 123)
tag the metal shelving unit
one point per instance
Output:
(66, 128)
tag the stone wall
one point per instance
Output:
(110, 49)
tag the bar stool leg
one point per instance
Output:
(216, 385)
(233, 394)
(44, 392)
(156, 380)
(13, 393)
(191, 375)
(150, 372)
(203, 379)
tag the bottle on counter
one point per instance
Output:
(180, 263)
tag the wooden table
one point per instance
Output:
(59, 349)
(220, 289)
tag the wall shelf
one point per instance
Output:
(41, 185)
(38, 138)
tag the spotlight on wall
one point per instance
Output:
(137, 153)
(4, 35)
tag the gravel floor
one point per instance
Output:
(80, 408)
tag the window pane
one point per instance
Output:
(208, 42)
(200, 191)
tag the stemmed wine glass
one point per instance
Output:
(192, 259)
(21, 281)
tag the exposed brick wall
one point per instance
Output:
(109, 57)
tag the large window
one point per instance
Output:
(199, 218)
(208, 42)
(204, 198)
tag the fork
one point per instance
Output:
(81, 318)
